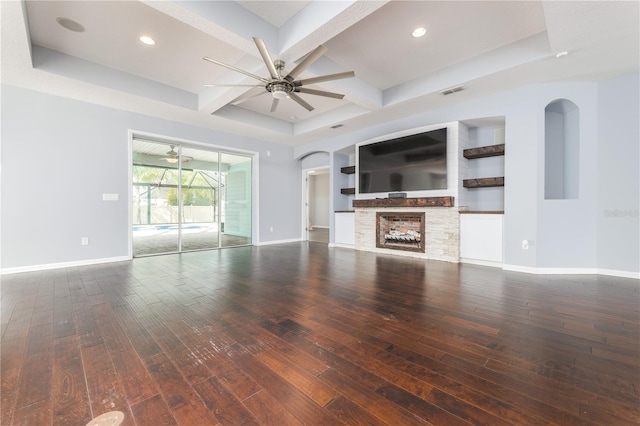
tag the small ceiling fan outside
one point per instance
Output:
(173, 157)
(282, 85)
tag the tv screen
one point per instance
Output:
(409, 163)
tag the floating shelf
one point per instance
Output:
(483, 182)
(406, 202)
(484, 151)
(348, 170)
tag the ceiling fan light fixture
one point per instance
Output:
(279, 94)
(280, 90)
(172, 155)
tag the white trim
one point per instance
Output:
(550, 271)
(621, 274)
(481, 262)
(304, 221)
(453, 162)
(255, 197)
(347, 246)
(306, 201)
(571, 271)
(130, 192)
(154, 137)
(268, 243)
(47, 266)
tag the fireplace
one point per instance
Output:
(400, 231)
(436, 220)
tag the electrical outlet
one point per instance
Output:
(84, 241)
(525, 245)
(271, 229)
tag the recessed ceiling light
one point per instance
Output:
(147, 40)
(561, 54)
(419, 32)
(70, 24)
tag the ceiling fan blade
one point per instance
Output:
(249, 94)
(274, 104)
(231, 67)
(319, 93)
(266, 57)
(328, 77)
(233, 85)
(301, 101)
(311, 58)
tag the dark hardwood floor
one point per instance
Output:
(302, 334)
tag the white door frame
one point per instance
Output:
(306, 201)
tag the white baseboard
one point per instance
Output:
(481, 262)
(571, 271)
(347, 246)
(268, 243)
(46, 266)
(550, 271)
(621, 274)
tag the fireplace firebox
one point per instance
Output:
(400, 231)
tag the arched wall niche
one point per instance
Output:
(561, 150)
(314, 156)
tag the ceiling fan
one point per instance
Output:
(172, 156)
(282, 85)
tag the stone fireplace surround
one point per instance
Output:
(441, 237)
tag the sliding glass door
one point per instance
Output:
(200, 188)
(187, 198)
(236, 200)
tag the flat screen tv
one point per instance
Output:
(409, 163)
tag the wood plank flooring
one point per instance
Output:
(301, 334)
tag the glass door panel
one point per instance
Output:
(235, 195)
(155, 213)
(187, 199)
(200, 189)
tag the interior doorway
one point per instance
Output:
(317, 213)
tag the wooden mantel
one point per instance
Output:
(405, 202)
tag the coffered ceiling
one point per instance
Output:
(484, 46)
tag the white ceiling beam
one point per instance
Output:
(513, 55)
(224, 20)
(318, 23)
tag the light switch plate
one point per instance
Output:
(109, 197)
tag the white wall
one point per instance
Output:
(319, 200)
(59, 156)
(568, 234)
(618, 175)
(567, 229)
